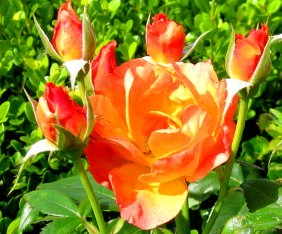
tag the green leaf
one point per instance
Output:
(113, 5)
(233, 204)
(265, 120)
(132, 49)
(161, 231)
(277, 115)
(13, 227)
(4, 46)
(120, 226)
(237, 176)
(73, 188)
(274, 171)
(265, 218)
(28, 216)
(259, 193)
(52, 202)
(202, 189)
(4, 224)
(273, 6)
(203, 5)
(62, 226)
(89, 40)
(255, 148)
(85, 208)
(4, 164)
(4, 109)
(29, 113)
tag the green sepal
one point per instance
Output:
(253, 90)
(189, 48)
(229, 54)
(263, 67)
(89, 39)
(33, 103)
(66, 141)
(46, 42)
(90, 118)
(275, 39)
(88, 83)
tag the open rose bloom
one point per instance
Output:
(157, 128)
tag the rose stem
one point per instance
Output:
(243, 109)
(90, 194)
(182, 220)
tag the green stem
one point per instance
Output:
(91, 195)
(182, 220)
(243, 109)
(220, 173)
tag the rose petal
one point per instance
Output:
(146, 205)
(102, 158)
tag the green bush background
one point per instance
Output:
(25, 65)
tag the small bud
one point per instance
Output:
(248, 57)
(164, 39)
(104, 62)
(60, 118)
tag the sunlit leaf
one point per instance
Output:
(266, 218)
(233, 204)
(73, 188)
(28, 216)
(55, 203)
(4, 109)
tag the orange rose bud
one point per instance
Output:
(56, 107)
(247, 53)
(67, 38)
(104, 62)
(164, 39)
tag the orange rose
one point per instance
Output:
(56, 107)
(67, 37)
(164, 39)
(157, 128)
(247, 53)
